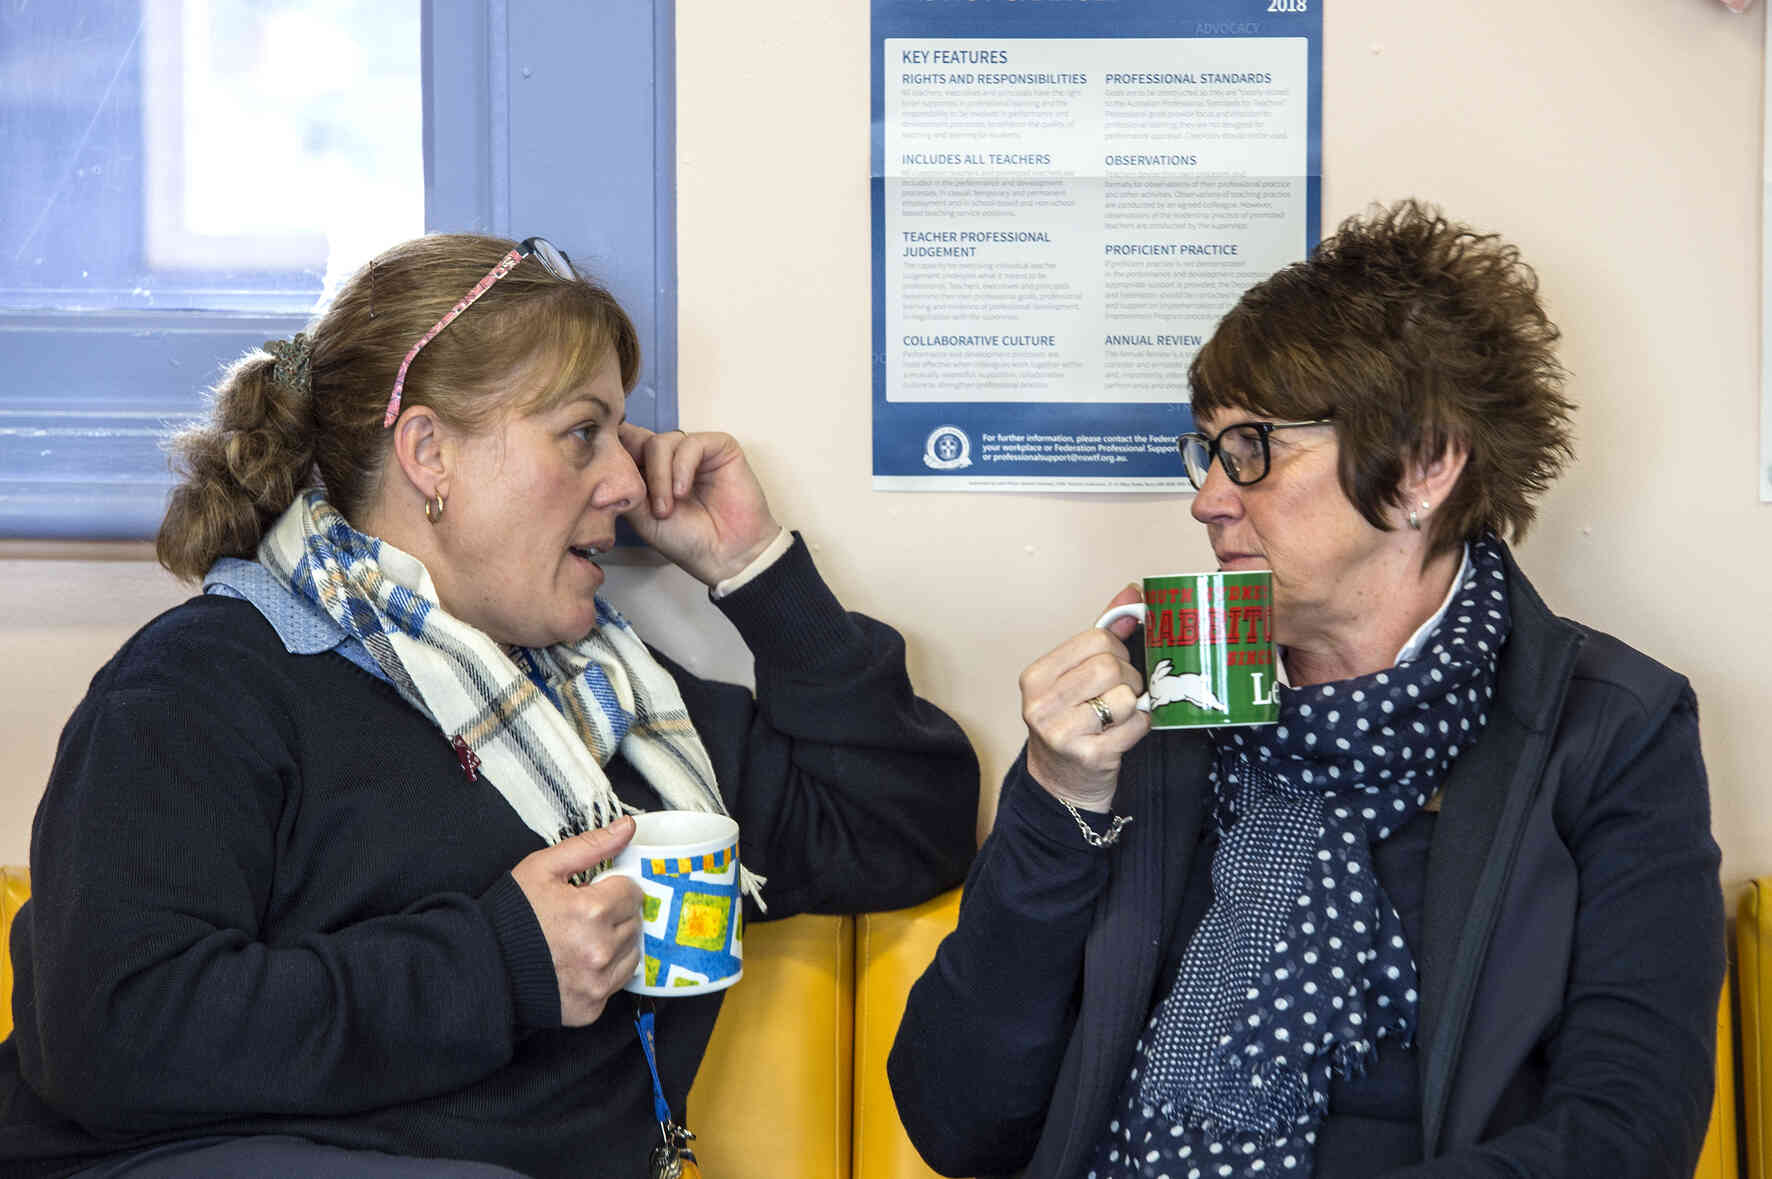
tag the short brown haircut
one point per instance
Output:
(1412, 332)
(529, 341)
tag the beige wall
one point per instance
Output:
(1618, 144)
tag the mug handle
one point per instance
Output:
(1127, 610)
(632, 872)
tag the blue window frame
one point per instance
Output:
(541, 117)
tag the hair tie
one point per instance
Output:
(293, 364)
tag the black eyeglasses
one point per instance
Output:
(1241, 448)
(552, 257)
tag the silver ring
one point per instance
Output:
(1102, 712)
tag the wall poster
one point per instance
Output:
(1067, 195)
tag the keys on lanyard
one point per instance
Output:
(672, 1158)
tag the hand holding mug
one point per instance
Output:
(593, 931)
(1078, 701)
(1208, 649)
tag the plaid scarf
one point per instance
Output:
(542, 721)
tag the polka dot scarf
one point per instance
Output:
(1299, 966)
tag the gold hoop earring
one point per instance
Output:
(435, 501)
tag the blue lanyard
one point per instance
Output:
(672, 1158)
(661, 1109)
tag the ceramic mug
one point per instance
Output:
(692, 918)
(1208, 649)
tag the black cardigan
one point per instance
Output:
(1571, 953)
(267, 899)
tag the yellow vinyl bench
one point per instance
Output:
(1753, 966)
(820, 1003)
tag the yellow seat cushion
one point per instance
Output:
(773, 1094)
(1721, 1156)
(1753, 966)
(15, 889)
(892, 950)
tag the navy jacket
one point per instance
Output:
(1570, 959)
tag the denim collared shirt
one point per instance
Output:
(304, 628)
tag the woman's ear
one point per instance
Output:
(421, 449)
(1429, 483)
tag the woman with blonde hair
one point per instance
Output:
(309, 871)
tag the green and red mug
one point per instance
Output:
(1208, 649)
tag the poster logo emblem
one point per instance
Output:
(947, 449)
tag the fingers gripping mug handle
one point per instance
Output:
(632, 872)
(1128, 610)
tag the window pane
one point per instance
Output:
(204, 154)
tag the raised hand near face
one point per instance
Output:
(1078, 701)
(704, 508)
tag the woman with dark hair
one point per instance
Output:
(308, 876)
(1457, 912)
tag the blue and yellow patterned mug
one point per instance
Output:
(692, 922)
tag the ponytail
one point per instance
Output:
(243, 466)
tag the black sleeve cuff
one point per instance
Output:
(1031, 807)
(535, 989)
(788, 616)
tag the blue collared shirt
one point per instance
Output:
(304, 628)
